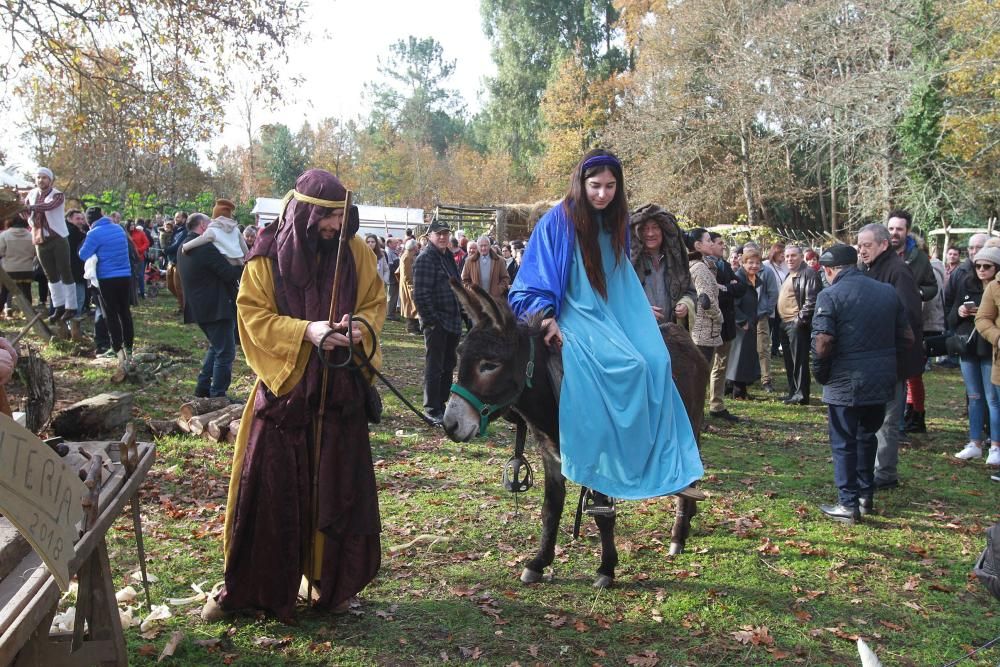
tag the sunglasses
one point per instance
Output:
(985, 267)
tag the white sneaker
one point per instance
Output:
(994, 458)
(971, 451)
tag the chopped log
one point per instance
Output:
(104, 413)
(200, 406)
(218, 427)
(233, 431)
(198, 424)
(164, 426)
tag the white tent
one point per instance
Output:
(266, 210)
(378, 220)
(10, 179)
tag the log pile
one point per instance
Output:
(214, 419)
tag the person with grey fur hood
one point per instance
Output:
(659, 256)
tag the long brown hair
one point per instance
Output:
(615, 216)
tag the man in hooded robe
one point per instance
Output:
(295, 510)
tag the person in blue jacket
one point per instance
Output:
(623, 430)
(114, 283)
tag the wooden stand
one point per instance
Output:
(29, 595)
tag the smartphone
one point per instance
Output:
(969, 304)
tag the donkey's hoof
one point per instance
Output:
(529, 576)
(676, 548)
(603, 581)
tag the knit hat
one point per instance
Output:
(223, 208)
(94, 213)
(991, 255)
(839, 255)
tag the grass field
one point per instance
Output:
(766, 579)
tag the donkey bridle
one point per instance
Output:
(487, 410)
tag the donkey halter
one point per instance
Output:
(487, 410)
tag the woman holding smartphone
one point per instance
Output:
(976, 358)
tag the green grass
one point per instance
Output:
(760, 555)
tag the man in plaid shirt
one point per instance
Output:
(440, 315)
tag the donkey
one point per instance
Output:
(496, 359)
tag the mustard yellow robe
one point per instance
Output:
(275, 348)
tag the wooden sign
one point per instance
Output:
(41, 496)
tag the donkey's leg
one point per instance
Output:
(686, 509)
(609, 552)
(552, 509)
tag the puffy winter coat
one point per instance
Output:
(110, 243)
(854, 353)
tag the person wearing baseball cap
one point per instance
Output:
(854, 358)
(440, 316)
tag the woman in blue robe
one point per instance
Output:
(623, 429)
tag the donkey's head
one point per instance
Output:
(491, 365)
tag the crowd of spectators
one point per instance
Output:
(743, 305)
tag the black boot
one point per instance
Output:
(56, 314)
(907, 418)
(916, 423)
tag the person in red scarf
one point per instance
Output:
(301, 506)
(46, 211)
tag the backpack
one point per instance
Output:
(988, 566)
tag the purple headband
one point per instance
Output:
(600, 161)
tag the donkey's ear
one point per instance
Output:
(501, 315)
(470, 303)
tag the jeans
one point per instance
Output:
(887, 457)
(217, 369)
(983, 397)
(440, 359)
(853, 443)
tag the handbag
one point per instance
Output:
(962, 344)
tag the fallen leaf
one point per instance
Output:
(271, 642)
(756, 636)
(555, 620)
(892, 626)
(580, 626)
(168, 650)
(147, 650)
(473, 653)
(644, 659)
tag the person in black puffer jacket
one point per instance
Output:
(854, 358)
(976, 358)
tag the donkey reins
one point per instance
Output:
(366, 361)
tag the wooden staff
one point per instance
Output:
(318, 428)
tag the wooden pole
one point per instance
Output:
(318, 428)
(25, 305)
